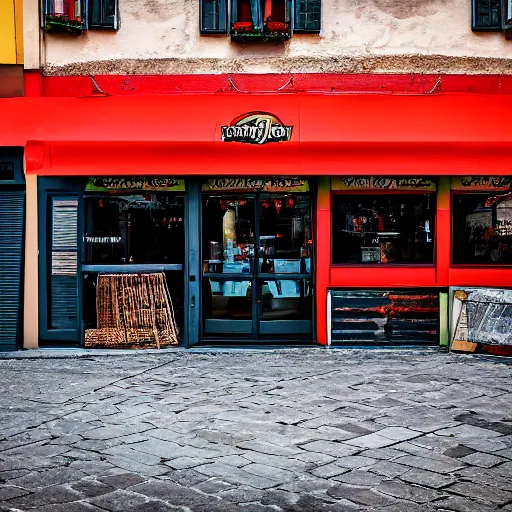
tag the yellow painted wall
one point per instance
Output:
(11, 32)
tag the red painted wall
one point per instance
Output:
(440, 275)
(115, 85)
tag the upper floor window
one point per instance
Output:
(487, 15)
(246, 19)
(78, 15)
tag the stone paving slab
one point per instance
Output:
(255, 431)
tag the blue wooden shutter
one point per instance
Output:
(12, 205)
(213, 17)
(307, 16)
(103, 14)
(486, 15)
(63, 293)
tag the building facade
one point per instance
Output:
(285, 171)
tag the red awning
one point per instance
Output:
(332, 134)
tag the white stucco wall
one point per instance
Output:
(162, 36)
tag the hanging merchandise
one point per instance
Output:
(278, 204)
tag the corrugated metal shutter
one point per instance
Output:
(12, 204)
(64, 255)
(384, 317)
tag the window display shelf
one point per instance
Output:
(133, 268)
(383, 233)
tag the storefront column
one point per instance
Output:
(443, 231)
(443, 253)
(192, 274)
(31, 305)
(323, 256)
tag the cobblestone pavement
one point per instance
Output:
(254, 431)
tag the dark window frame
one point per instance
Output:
(49, 188)
(222, 18)
(105, 22)
(476, 22)
(227, 16)
(12, 156)
(298, 28)
(87, 19)
(92, 195)
(394, 192)
(480, 266)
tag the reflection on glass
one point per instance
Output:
(286, 243)
(134, 228)
(482, 228)
(227, 299)
(383, 228)
(285, 299)
(228, 234)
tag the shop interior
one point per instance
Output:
(132, 263)
(383, 228)
(257, 270)
(482, 227)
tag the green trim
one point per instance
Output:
(444, 327)
(134, 185)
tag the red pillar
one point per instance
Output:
(443, 232)
(323, 256)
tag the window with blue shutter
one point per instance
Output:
(78, 15)
(213, 17)
(59, 207)
(103, 14)
(64, 259)
(307, 16)
(65, 16)
(12, 216)
(12, 208)
(487, 15)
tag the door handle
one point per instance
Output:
(193, 301)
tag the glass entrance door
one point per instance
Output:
(257, 266)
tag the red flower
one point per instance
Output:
(243, 26)
(277, 26)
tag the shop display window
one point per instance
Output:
(285, 299)
(228, 234)
(482, 228)
(285, 235)
(257, 254)
(134, 228)
(383, 228)
(284, 232)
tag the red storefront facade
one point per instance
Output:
(402, 129)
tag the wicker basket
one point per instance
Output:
(133, 310)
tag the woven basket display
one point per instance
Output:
(133, 311)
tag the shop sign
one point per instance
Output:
(482, 183)
(135, 184)
(256, 128)
(382, 182)
(103, 239)
(257, 184)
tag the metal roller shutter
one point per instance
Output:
(12, 204)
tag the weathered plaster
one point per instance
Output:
(162, 37)
(382, 64)
(31, 34)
